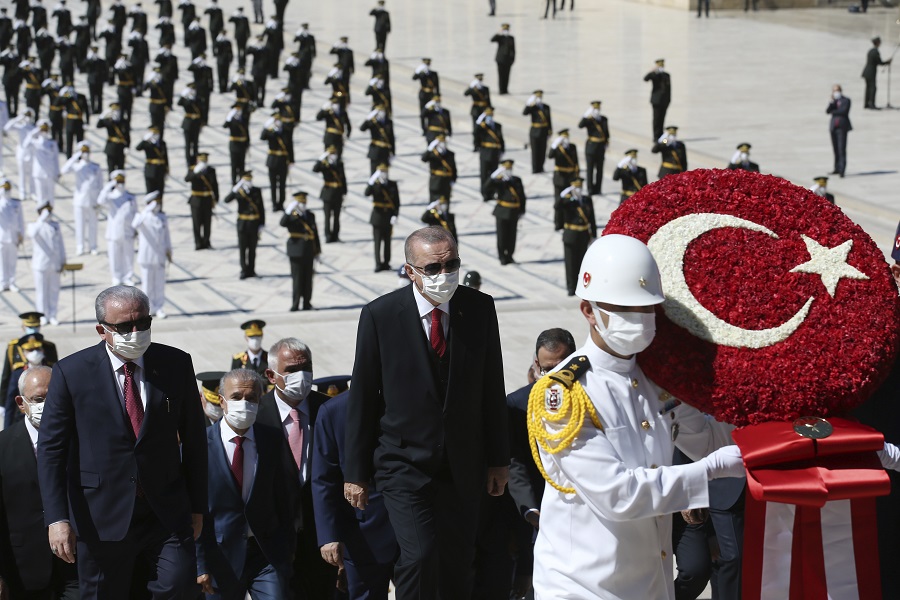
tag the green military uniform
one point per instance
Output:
(251, 217)
(510, 196)
(597, 128)
(303, 246)
(258, 360)
(574, 215)
(491, 145)
(15, 356)
(385, 208)
(156, 164)
(334, 188)
(633, 177)
(382, 145)
(674, 155)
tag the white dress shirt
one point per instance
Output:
(118, 367)
(257, 357)
(32, 433)
(249, 446)
(287, 423)
(425, 308)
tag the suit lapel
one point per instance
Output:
(408, 315)
(155, 396)
(107, 387)
(219, 468)
(456, 343)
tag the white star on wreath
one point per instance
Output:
(830, 263)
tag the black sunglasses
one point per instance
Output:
(432, 269)
(142, 324)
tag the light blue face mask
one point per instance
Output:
(30, 330)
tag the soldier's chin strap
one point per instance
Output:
(555, 398)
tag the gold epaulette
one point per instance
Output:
(567, 376)
(17, 365)
(238, 356)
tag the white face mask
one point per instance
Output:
(34, 410)
(34, 357)
(744, 157)
(440, 287)
(296, 385)
(132, 345)
(837, 95)
(213, 411)
(627, 332)
(241, 413)
(254, 343)
(671, 139)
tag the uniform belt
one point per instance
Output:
(427, 89)
(539, 125)
(126, 83)
(382, 205)
(506, 204)
(333, 130)
(286, 121)
(203, 194)
(192, 115)
(380, 144)
(157, 101)
(32, 86)
(277, 153)
(628, 193)
(248, 217)
(576, 227)
(489, 145)
(237, 139)
(669, 165)
(480, 103)
(442, 173)
(596, 139)
(74, 117)
(566, 169)
(332, 184)
(156, 161)
(435, 128)
(302, 236)
(115, 140)
(54, 108)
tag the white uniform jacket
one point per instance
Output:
(49, 251)
(153, 238)
(88, 180)
(12, 222)
(120, 208)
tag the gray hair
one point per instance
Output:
(243, 376)
(291, 343)
(119, 293)
(23, 378)
(427, 235)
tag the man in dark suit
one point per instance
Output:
(303, 246)
(426, 417)
(254, 357)
(839, 126)
(660, 96)
(28, 569)
(870, 71)
(247, 539)
(597, 128)
(293, 408)
(506, 56)
(360, 541)
(110, 465)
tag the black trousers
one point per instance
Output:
(241, 53)
(192, 142)
(573, 254)
(74, 133)
(692, 557)
(56, 129)
(547, 8)
(278, 186)
(506, 239)
(247, 247)
(95, 90)
(377, 156)
(201, 215)
(870, 92)
(659, 120)
(594, 173)
(382, 237)
(700, 4)
(222, 70)
(260, 83)
(538, 140)
(493, 561)
(839, 145)
(729, 527)
(158, 117)
(238, 158)
(503, 70)
(332, 219)
(381, 40)
(12, 99)
(488, 164)
(302, 277)
(115, 158)
(155, 182)
(313, 578)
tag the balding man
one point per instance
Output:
(426, 418)
(27, 568)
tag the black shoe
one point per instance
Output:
(294, 309)
(243, 276)
(386, 267)
(379, 268)
(307, 306)
(572, 292)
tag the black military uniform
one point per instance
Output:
(490, 143)
(481, 99)
(334, 189)
(204, 197)
(510, 194)
(284, 104)
(38, 16)
(191, 124)
(381, 147)
(46, 50)
(32, 78)
(243, 89)
(50, 88)
(188, 14)
(203, 83)
(595, 147)
(280, 158)
(140, 56)
(66, 51)
(168, 70)
(77, 111)
(138, 19)
(260, 69)
(31, 323)
(195, 38)
(118, 138)
(821, 189)
(119, 17)
(382, 24)
(345, 60)
(437, 120)
(306, 51)
(63, 18)
(224, 56)
(124, 74)
(385, 208)
(238, 141)
(443, 170)
(82, 41)
(336, 122)
(6, 28)
(303, 246)
(660, 96)
(870, 71)
(541, 127)
(380, 92)
(566, 168)
(295, 82)
(156, 165)
(506, 56)
(216, 20)
(258, 361)
(241, 34)
(251, 216)
(674, 155)
(574, 215)
(113, 46)
(335, 79)
(165, 8)
(274, 34)
(440, 216)
(12, 79)
(741, 159)
(430, 86)
(380, 65)
(633, 177)
(159, 100)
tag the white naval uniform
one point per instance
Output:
(12, 229)
(613, 538)
(120, 208)
(154, 245)
(88, 184)
(44, 167)
(23, 153)
(4, 119)
(47, 260)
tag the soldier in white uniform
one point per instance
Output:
(24, 124)
(88, 184)
(120, 207)
(12, 231)
(606, 528)
(44, 163)
(154, 249)
(47, 259)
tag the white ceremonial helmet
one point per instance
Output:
(619, 269)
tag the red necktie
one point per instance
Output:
(295, 438)
(237, 462)
(438, 342)
(133, 405)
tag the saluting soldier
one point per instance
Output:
(224, 56)
(159, 101)
(238, 140)
(242, 87)
(77, 111)
(430, 86)
(118, 137)
(166, 31)
(334, 189)
(50, 87)
(274, 34)
(140, 56)
(195, 38)
(188, 15)
(12, 234)
(306, 51)
(541, 127)
(506, 56)
(192, 122)
(216, 20)
(88, 184)
(660, 95)
(284, 104)
(345, 60)
(566, 156)
(574, 215)
(295, 82)
(437, 119)
(481, 99)
(156, 164)
(381, 128)
(510, 194)
(336, 122)
(31, 75)
(595, 148)
(303, 246)
(113, 46)
(251, 221)
(82, 41)
(260, 68)
(442, 165)
(66, 51)
(254, 357)
(740, 160)
(490, 143)
(168, 70)
(674, 153)
(380, 65)
(438, 213)
(63, 18)
(12, 78)
(335, 79)
(632, 176)
(154, 250)
(241, 34)
(380, 92)
(279, 160)
(385, 209)
(203, 84)
(31, 324)
(382, 24)
(138, 19)
(821, 189)
(124, 75)
(204, 197)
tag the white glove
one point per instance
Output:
(890, 457)
(290, 207)
(724, 462)
(393, 220)
(624, 162)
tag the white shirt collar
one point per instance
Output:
(251, 354)
(284, 409)
(32, 432)
(425, 307)
(118, 362)
(228, 433)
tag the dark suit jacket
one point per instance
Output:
(873, 61)
(662, 87)
(526, 484)
(399, 428)
(86, 449)
(26, 562)
(840, 114)
(367, 534)
(222, 547)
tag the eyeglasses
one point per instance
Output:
(451, 266)
(35, 400)
(142, 324)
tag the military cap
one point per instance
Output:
(436, 98)
(744, 147)
(504, 26)
(507, 162)
(876, 39)
(441, 137)
(563, 132)
(118, 174)
(253, 327)
(153, 129)
(380, 2)
(671, 129)
(332, 385)
(247, 175)
(595, 103)
(209, 383)
(202, 155)
(344, 38)
(578, 179)
(631, 152)
(383, 167)
(304, 25)
(479, 75)
(241, 70)
(191, 85)
(538, 92)
(378, 107)
(31, 341)
(331, 149)
(661, 62)
(114, 105)
(31, 319)
(472, 279)
(427, 61)
(5, 182)
(821, 179)
(300, 196)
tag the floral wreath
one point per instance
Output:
(777, 305)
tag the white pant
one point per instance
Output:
(46, 292)
(26, 181)
(44, 187)
(85, 216)
(9, 252)
(121, 260)
(153, 282)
